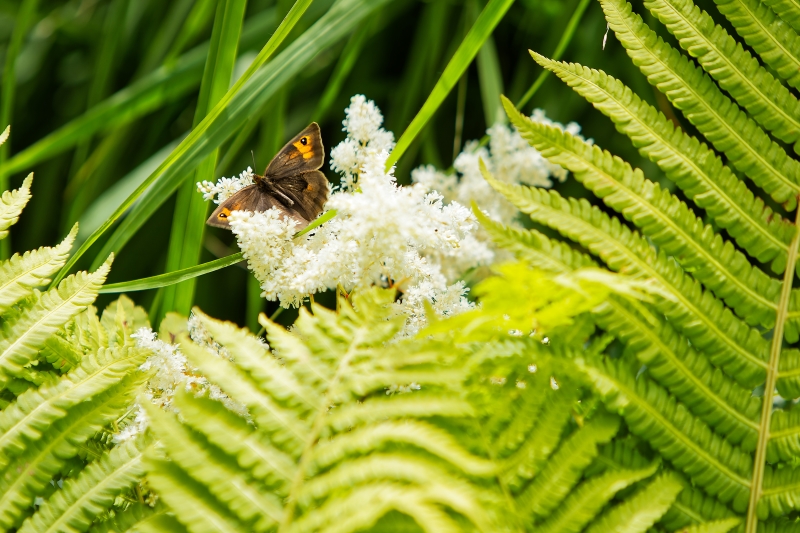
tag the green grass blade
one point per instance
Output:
(188, 223)
(171, 278)
(566, 38)
(151, 92)
(491, 82)
(480, 31)
(347, 60)
(230, 115)
(25, 14)
(245, 95)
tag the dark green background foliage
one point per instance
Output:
(76, 54)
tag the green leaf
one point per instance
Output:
(13, 202)
(24, 335)
(469, 47)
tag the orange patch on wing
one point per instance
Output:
(303, 148)
(310, 187)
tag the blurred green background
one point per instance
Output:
(74, 57)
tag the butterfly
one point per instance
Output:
(292, 183)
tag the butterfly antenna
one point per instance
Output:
(254, 160)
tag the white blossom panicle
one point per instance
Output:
(508, 157)
(383, 233)
(365, 140)
(171, 371)
(225, 187)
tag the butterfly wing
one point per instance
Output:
(303, 153)
(253, 199)
(308, 190)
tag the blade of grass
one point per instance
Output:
(566, 38)
(151, 92)
(480, 31)
(491, 83)
(113, 27)
(232, 112)
(188, 224)
(422, 64)
(171, 278)
(347, 60)
(25, 14)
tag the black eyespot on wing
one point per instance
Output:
(223, 215)
(304, 141)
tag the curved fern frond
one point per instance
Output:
(690, 164)
(739, 349)
(728, 408)
(308, 459)
(13, 202)
(37, 409)
(721, 469)
(643, 509)
(692, 91)
(20, 274)
(660, 216)
(24, 335)
(133, 519)
(776, 43)
(787, 10)
(74, 507)
(30, 472)
(737, 72)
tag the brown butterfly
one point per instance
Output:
(292, 183)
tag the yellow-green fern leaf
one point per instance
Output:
(80, 500)
(776, 43)
(25, 334)
(695, 168)
(37, 409)
(21, 273)
(787, 10)
(638, 513)
(736, 71)
(734, 345)
(692, 91)
(28, 474)
(660, 215)
(13, 202)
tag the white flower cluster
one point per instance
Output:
(225, 187)
(365, 141)
(508, 157)
(383, 234)
(171, 371)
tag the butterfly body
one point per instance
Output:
(292, 184)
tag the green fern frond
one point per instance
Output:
(122, 318)
(722, 469)
(74, 507)
(589, 498)
(787, 10)
(253, 506)
(693, 506)
(130, 520)
(642, 510)
(25, 334)
(13, 202)
(776, 43)
(736, 71)
(726, 340)
(718, 526)
(308, 459)
(693, 92)
(20, 274)
(660, 216)
(690, 164)
(37, 409)
(554, 485)
(31, 471)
